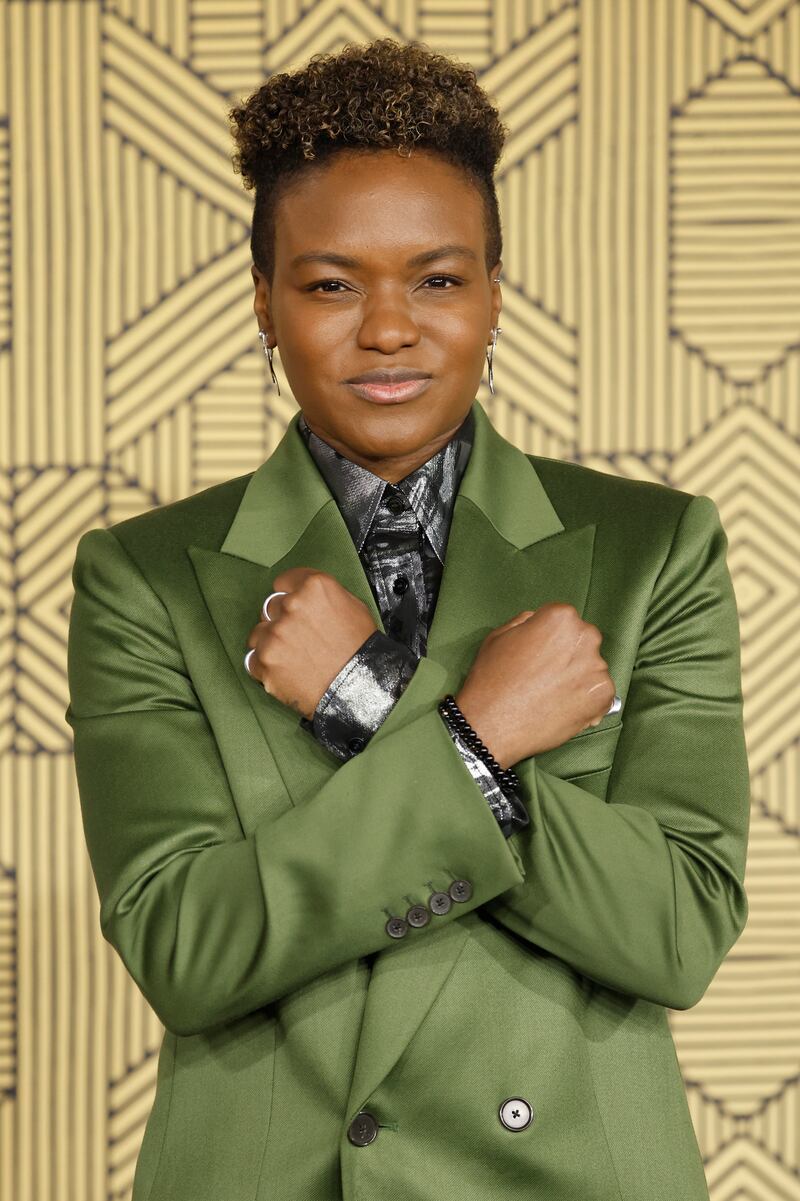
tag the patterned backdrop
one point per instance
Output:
(650, 192)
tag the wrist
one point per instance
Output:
(457, 720)
(478, 722)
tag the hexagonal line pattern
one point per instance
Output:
(735, 220)
(745, 18)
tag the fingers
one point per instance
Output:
(267, 618)
(250, 660)
(277, 606)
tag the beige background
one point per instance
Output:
(650, 192)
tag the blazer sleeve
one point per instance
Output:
(643, 891)
(212, 923)
(361, 696)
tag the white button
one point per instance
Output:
(516, 1113)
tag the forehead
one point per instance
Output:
(379, 201)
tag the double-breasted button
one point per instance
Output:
(418, 915)
(400, 584)
(516, 1113)
(356, 744)
(396, 927)
(440, 902)
(460, 890)
(395, 504)
(363, 1129)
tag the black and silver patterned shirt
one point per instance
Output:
(401, 532)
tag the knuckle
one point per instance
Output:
(562, 610)
(313, 581)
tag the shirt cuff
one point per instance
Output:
(362, 694)
(509, 809)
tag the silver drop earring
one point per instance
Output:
(268, 352)
(497, 329)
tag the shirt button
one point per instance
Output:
(516, 1113)
(418, 915)
(396, 927)
(440, 902)
(400, 584)
(363, 1129)
(460, 890)
(356, 745)
(395, 504)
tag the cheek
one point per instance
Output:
(320, 341)
(460, 327)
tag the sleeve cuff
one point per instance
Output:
(509, 810)
(361, 695)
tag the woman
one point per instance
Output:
(411, 896)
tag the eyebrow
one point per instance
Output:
(417, 260)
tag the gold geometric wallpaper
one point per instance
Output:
(650, 194)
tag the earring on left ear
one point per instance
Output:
(268, 352)
(498, 329)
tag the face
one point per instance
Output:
(375, 308)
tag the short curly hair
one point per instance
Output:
(385, 94)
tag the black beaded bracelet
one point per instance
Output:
(509, 782)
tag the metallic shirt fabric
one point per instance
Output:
(401, 532)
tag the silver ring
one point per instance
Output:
(265, 606)
(616, 705)
(252, 651)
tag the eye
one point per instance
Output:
(449, 278)
(324, 283)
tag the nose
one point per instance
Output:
(387, 323)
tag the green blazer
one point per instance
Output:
(244, 873)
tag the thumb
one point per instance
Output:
(518, 620)
(515, 621)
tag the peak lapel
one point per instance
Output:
(507, 551)
(286, 518)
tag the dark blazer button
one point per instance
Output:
(400, 584)
(460, 890)
(396, 927)
(516, 1113)
(356, 745)
(395, 504)
(363, 1129)
(418, 915)
(440, 902)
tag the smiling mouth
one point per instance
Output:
(391, 393)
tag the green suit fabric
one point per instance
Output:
(244, 872)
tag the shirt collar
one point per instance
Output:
(430, 489)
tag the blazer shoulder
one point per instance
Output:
(202, 519)
(582, 494)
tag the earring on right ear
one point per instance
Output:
(268, 352)
(498, 329)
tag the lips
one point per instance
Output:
(391, 393)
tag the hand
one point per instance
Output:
(535, 682)
(312, 633)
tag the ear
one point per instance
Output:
(261, 301)
(497, 298)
